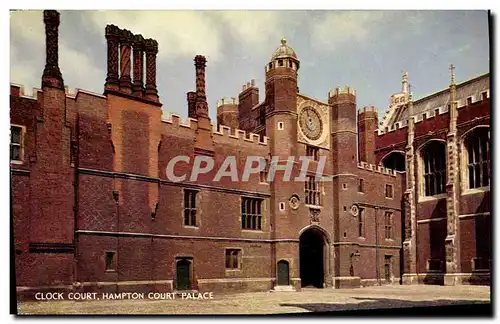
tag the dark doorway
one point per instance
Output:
(387, 268)
(183, 271)
(311, 258)
(283, 273)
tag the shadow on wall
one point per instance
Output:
(386, 306)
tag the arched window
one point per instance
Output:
(394, 161)
(477, 145)
(434, 168)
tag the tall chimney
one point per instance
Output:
(151, 47)
(191, 98)
(138, 48)
(125, 66)
(201, 99)
(204, 143)
(112, 36)
(51, 74)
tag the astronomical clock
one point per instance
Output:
(313, 122)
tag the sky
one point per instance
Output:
(367, 50)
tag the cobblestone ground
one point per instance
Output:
(307, 300)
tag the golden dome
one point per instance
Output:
(284, 51)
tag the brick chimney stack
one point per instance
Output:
(112, 36)
(191, 99)
(138, 49)
(125, 66)
(51, 74)
(151, 48)
(204, 143)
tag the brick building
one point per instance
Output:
(93, 208)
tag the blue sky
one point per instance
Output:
(367, 50)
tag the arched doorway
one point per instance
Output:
(312, 258)
(283, 273)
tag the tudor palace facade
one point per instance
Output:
(93, 210)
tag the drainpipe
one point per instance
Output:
(377, 247)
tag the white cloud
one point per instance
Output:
(339, 27)
(179, 33)
(256, 30)
(27, 55)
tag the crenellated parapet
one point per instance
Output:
(366, 109)
(227, 101)
(175, 120)
(339, 91)
(19, 91)
(239, 134)
(377, 169)
(435, 111)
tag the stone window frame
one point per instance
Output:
(464, 162)
(196, 209)
(239, 258)
(316, 190)
(361, 222)
(259, 216)
(421, 170)
(20, 144)
(389, 225)
(391, 191)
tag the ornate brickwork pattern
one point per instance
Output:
(51, 74)
(151, 48)
(201, 99)
(138, 48)
(112, 36)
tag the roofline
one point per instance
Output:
(435, 94)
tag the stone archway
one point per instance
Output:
(314, 261)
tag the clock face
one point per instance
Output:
(310, 123)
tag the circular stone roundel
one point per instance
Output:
(294, 202)
(354, 210)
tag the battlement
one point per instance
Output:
(176, 120)
(34, 95)
(249, 85)
(227, 101)
(339, 91)
(238, 134)
(376, 168)
(224, 131)
(370, 108)
(440, 110)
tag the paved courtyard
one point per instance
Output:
(308, 300)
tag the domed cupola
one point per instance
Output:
(283, 57)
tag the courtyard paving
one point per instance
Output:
(307, 300)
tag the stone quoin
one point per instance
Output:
(93, 209)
